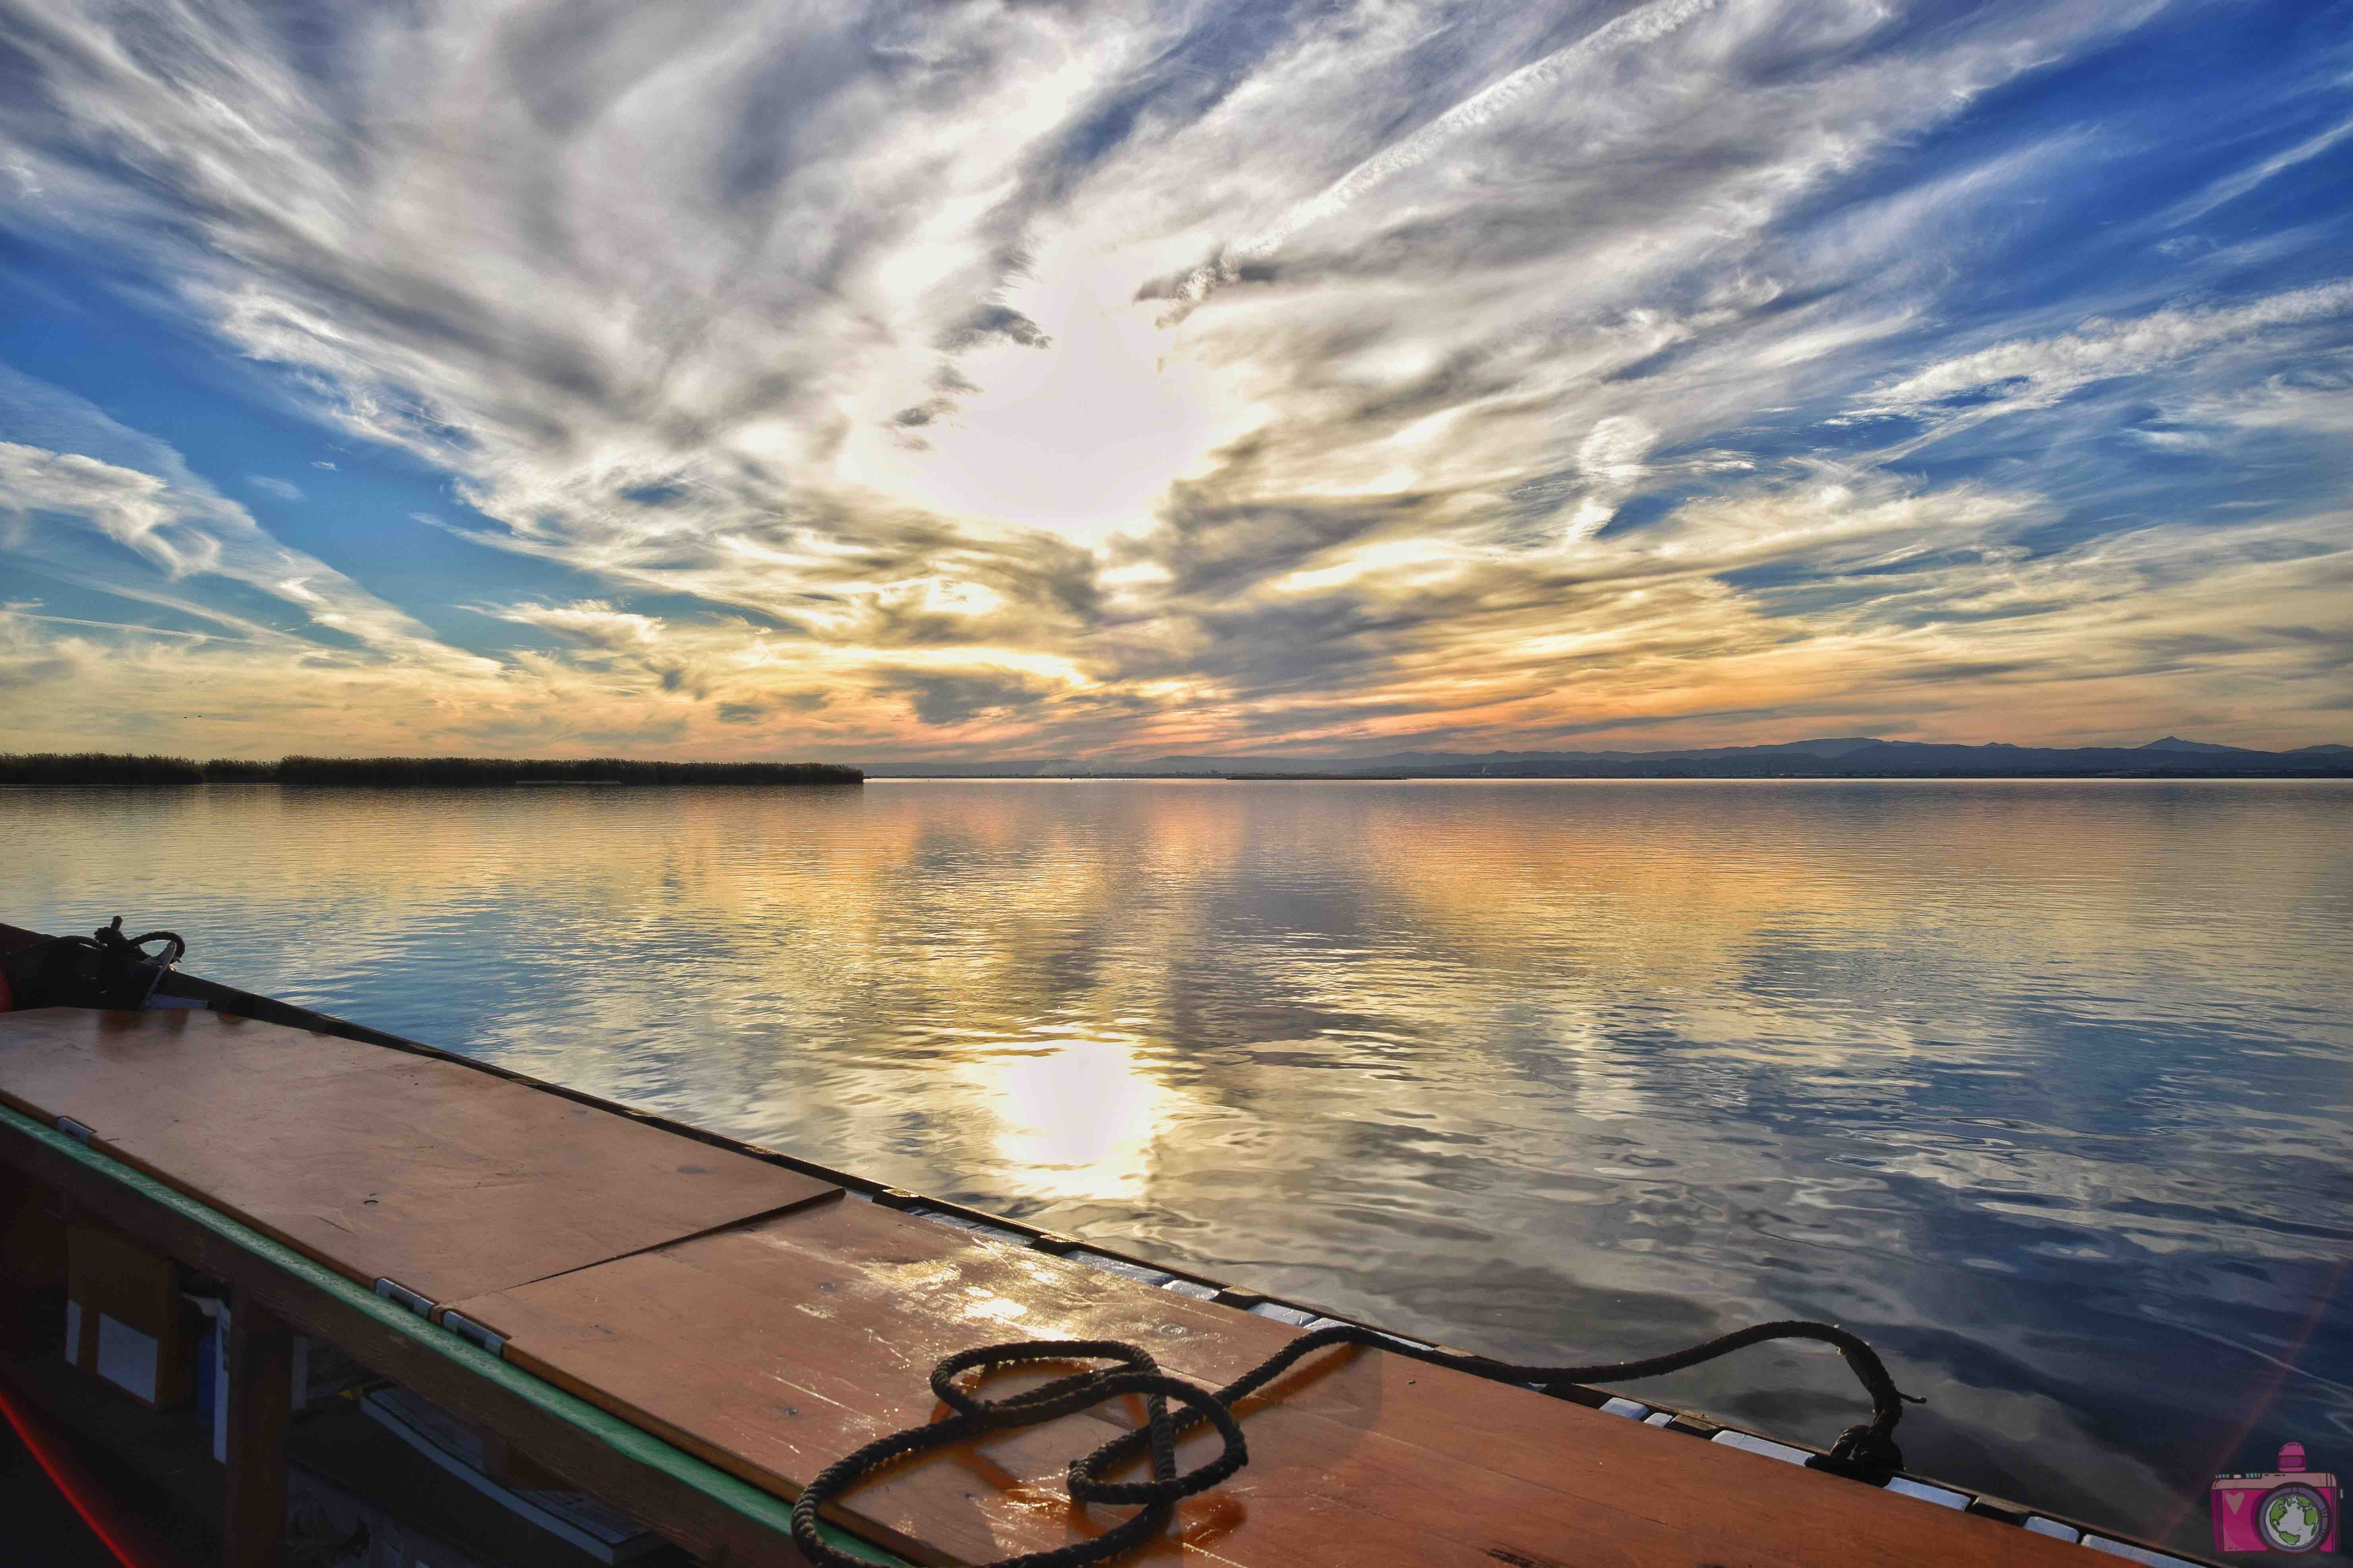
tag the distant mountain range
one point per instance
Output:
(1851, 756)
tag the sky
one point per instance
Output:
(735, 379)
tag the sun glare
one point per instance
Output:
(1077, 1120)
(1080, 437)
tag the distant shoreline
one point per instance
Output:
(107, 770)
(1645, 776)
(1850, 756)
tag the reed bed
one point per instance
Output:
(99, 768)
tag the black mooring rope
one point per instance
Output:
(1866, 1452)
(130, 948)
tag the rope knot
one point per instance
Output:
(1863, 1454)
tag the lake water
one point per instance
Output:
(2044, 1087)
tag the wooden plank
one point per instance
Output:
(378, 1163)
(779, 1348)
(704, 1527)
(260, 1390)
(774, 1348)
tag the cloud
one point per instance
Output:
(95, 483)
(2225, 191)
(1646, 25)
(995, 321)
(946, 698)
(2315, 400)
(2038, 372)
(283, 489)
(592, 621)
(1610, 460)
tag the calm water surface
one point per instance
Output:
(2047, 1089)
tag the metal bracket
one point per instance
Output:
(402, 1296)
(465, 1328)
(79, 1133)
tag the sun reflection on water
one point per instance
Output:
(1077, 1118)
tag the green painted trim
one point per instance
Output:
(742, 1497)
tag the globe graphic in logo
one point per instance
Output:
(2292, 1518)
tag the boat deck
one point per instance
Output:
(769, 1322)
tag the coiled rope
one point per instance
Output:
(1865, 1452)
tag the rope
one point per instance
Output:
(104, 969)
(128, 950)
(1865, 1452)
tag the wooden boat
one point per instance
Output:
(692, 1329)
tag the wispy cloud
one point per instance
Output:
(2232, 188)
(95, 483)
(2035, 374)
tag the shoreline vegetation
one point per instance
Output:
(99, 768)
